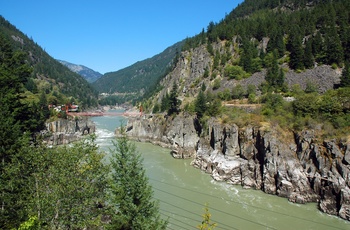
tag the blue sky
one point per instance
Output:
(108, 35)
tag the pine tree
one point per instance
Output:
(247, 56)
(318, 48)
(200, 104)
(165, 104)
(280, 79)
(274, 75)
(13, 170)
(296, 51)
(132, 196)
(308, 57)
(345, 77)
(272, 70)
(335, 53)
(276, 42)
(174, 103)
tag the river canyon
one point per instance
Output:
(183, 191)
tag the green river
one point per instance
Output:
(183, 191)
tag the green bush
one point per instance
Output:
(217, 84)
(238, 92)
(234, 72)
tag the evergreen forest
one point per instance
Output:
(269, 38)
(306, 31)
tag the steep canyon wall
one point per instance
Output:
(296, 166)
(65, 131)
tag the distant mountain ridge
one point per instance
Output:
(141, 77)
(48, 75)
(90, 75)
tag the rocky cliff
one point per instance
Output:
(65, 131)
(178, 134)
(297, 166)
(189, 75)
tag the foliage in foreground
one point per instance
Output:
(207, 223)
(134, 207)
(54, 188)
(69, 186)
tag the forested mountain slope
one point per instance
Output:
(261, 53)
(48, 75)
(305, 30)
(141, 77)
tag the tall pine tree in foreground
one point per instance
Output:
(131, 195)
(14, 73)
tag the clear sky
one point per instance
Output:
(108, 35)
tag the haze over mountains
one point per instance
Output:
(87, 73)
(141, 77)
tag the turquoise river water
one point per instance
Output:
(183, 191)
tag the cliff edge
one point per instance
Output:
(65, 131)
(296, 166)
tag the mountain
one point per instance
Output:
(48, 75)
(87, 73)
(140, 77)
(272, 70)
(289, 47)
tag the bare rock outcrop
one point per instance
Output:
(65, 131)
(296, 166)
(301, 170)
(179, 133)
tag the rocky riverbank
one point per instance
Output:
(65, 131)
(297, 166)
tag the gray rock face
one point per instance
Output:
(178, 134)
(67, 131)
(297, 167)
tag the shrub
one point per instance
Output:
(225, 95)
(252, 98)
(306, 105)
(217, 84)
(310, 87)
(156, 108)
(238, 92)
(234, 72)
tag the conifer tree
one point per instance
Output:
(132, 196)
(200, 104)
(335, 53)
(272, 69)
(318, 48)
(296, 51)
(345, 77)
(308, 57)
(165, 103)
(13, 174)
(247, 56)
(276, 42)
(274, 75)
(174, 103)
